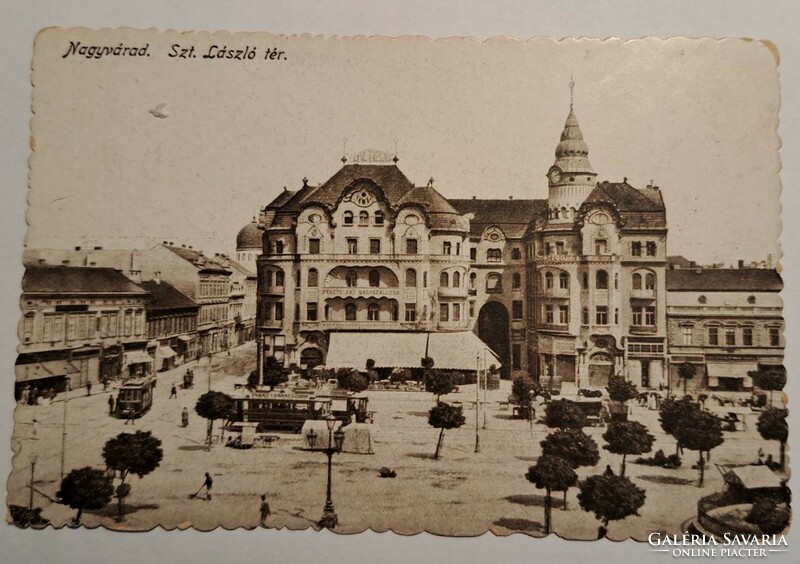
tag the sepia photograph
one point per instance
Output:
(403, 284)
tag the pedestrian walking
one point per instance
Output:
(207, 484)
(173, 392)
(110, 404)
(185, 417)
(264, 510)
(88, 388)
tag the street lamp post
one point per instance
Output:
(335, 441)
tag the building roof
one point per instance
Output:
(163, 296)
(626, 198)
(249, 236)
(724, 280)
(240, 268)
(678, 261)
(199, 260)
(512, 216)
(77, 280)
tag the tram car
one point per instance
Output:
(135, 398)
(279, 413)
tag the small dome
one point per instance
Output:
(249, 237)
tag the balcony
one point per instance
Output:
(643, 329)
(643, 294)
(553, 327)
(358, 325)
(555, 292)
(273, 290)
(555, 259)
(446, 292)
(270, 324)
(361, 292)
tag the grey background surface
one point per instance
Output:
(775, 20)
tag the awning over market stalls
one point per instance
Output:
(44, 369)
(449, 351)
(753, 477)
(735, 370)
(163, 353)
(138, 357)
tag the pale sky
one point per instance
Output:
(699, 118)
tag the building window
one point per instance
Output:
(516, 254)
(516, 310)
(351, 279)
(516, 357)
(585, 280)
(636, 248)
(686, 335)
(600, 246)
(601, 280)
(616, 281)
(650, 248)
(702, 300)
(473, 277)
(425, 279)
(411, 278)
(313, 246)
(516, 280)
(458, 248)
(473, 254)
(563, 281)
(747, 336)
(27, 329)
(616, 316)
(447, 248)
(472, 309)
(375, 246)
(411, 246)
(751, 299)
(350, 312)
(548, 313)
(374, 278)
(313, 278)
(559, 247)
(348, 217)
(650, 282)
(548, 249)
(636, 281)
(650, 315)
(585, 316)
(548, 280)
(563, 314)
(411, 312)
(456, 312)
(601, 315)
(278, 311)
(378, 217)
(774, 336)
(730, 336)
(352, 246)
(373, 312)
(311, 311)
(363, 217)
(494, 282)
(278, 247)
(713, 336)
(494, 255)
(456, 279)
(280, 279)
(444, 312)
(444, 280)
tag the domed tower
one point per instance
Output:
(248, 245)
(571, 178)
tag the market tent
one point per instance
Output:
(754, 477)
(358, 438)
(453, 351)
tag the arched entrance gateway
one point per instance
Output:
(493, 329)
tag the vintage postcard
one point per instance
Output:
(404, 284)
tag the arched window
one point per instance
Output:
(472, 278)
(494, 282)
(373, 312)
(351, 278)
(444, 280)
(548, 280)
(425, 279)
(585, 316)
(379, 217)
(516, 280)
(563, 281)
(650, 282)
(456, 280)
(313, 278)
(374, 278)
(363, 217)
(279, 278)
(411, 278)
(637, 281)
(601, 280)
(494, 255)
(348, 217)
(350, 312)
(616, 281)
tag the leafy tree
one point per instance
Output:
(768, 516)
(85, 488)
(444, 416)
(274, 373)
(770, 379)
(619, 389)
(686, 372)
(573, 445)
(252, 380)
(772, 426)
(672, 412)
(627, 437)
(352, 380)
(25, 517)
(610, 497)
(439, 382)
(701, 431)
(564, 414)
(551, 473)
(132, 453)
(522, 388)
(212, 406)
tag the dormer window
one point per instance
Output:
(348, 217)
(363, 217)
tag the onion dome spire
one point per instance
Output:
(572, 152)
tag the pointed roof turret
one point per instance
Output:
(572, 153)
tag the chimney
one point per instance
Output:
(157, 277)
(165, 242)
(65, 261)
(77, 248)
(511, 197)
(741, 264)
(474, 197)
(769, 261)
